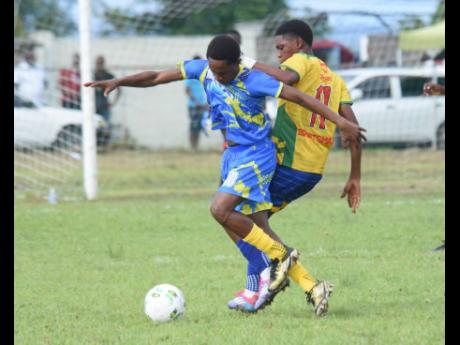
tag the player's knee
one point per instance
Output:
(219, 212)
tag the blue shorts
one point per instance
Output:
(288, 185)
(246, 172)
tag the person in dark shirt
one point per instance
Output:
(103, 106)
(102, 103)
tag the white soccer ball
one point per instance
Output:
(164, 303)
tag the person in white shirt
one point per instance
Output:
(30, 79)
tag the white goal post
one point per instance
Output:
(89, 132)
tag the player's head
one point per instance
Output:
(100, 62)
(30, 57)
(196, 57)
(223, 56)
(291, 37)
(235, 34)
(76, 60)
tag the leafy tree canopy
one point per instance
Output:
(52, 15)
(190, 16)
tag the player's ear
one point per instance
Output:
(300, 44)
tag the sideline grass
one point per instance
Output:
(82, 268)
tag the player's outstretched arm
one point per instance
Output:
(143, 79)
(286, 76)
(351, 132)
(352, 188)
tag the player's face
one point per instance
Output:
(223, 71)
(286, 47)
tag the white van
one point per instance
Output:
(389, 103)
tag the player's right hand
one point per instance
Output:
(352, 190)
(431, 89)
(108, 85)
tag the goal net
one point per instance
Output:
(137, 125)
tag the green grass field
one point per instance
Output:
(82, 268)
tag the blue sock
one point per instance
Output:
(252, 279)
(256, 258)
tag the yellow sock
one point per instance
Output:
(300, 275)
(259, 239)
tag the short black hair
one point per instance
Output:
(223, 47)
(196, 57)
(235, 34)
(296, 27)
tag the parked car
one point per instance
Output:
(390, 104)
(50, 127)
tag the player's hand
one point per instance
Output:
(107, 85)
(206, 123)
(430, 89)
(352, 190)
(351, 133)
(247, 62)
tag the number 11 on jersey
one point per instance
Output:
(322, 94)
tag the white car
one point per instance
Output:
(49, 127)
(389, 103)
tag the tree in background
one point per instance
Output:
(410, 22)
(318, 21)
(189, 16)
(52, 15)
(440, 13)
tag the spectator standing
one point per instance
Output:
(102, 103)
(30, 79)
(69, 81)
(197, 107)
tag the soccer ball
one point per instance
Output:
(164, 303)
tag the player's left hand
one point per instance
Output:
(351, 133)
(352, 190)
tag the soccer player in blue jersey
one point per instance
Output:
(236, 96)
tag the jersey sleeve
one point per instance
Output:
(192, 69)
(345, 97)
(264, 85)
(297, 63)
(188, 83)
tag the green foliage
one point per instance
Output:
(186, 17)
(440, 13)
(410, 22)
(317, 21)
(52, 15)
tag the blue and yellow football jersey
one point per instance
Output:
(237, 107)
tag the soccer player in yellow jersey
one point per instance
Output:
(303, 140)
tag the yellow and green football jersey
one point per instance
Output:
(303, 138)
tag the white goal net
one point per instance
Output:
(384, 71)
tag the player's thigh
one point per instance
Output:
(225, 202)
(247, 171)
(288, 185)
